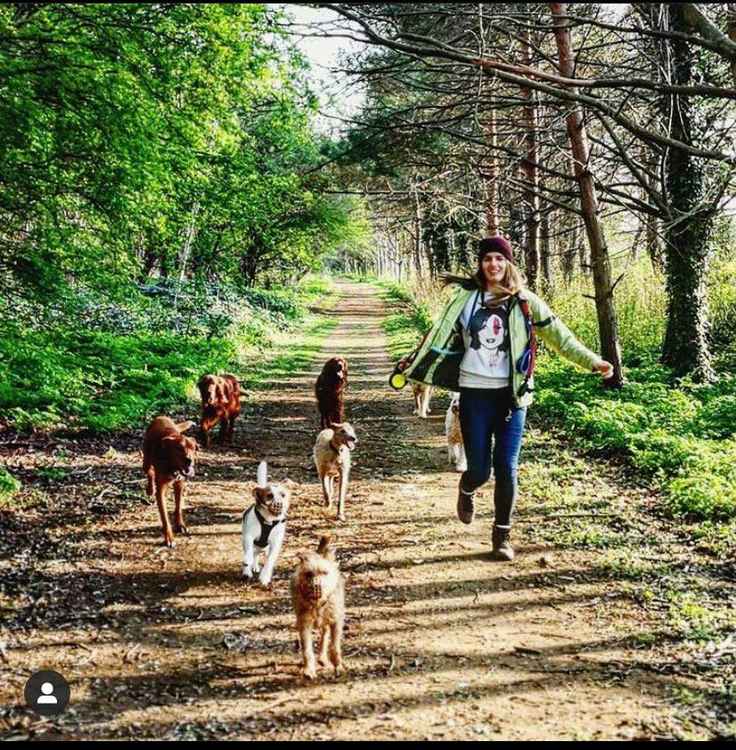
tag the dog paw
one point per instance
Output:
(247, 573)
(180, 528)
(265, 581)
(340, 516)
(309, 673)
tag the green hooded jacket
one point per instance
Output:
(437, 362)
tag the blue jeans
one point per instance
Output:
(487, 415)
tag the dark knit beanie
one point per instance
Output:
(495, 245)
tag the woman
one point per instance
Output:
(484, 346)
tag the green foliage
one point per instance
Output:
(665, 432)
(8, 484)
(104, 377)
(406, 327)
(640, 306)
(151, 138)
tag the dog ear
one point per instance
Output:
(259, 494)
(184, 426)
(323, 548)
(262, 474)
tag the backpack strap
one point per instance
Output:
(527, 360)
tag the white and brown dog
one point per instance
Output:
(264, 526)
(455, 445)
(422, 395)
(332, 459)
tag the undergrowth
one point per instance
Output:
(82, 363)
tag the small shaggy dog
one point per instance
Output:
(422, 395)
(220, 403)
(264, 526)
(168, 457)
(330, 391)
(318, 595)
(332, 459)
(455, 445)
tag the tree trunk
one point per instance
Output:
(531, 176)
(417, 231)
(570, 224)
(545, 251)
(491, 174)
(650, 158)
(688, 231)
(189, 238)
(607, 323)
(731, 31)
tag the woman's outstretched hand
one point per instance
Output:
(604, 368)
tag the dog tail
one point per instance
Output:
(262, 475)
(323, 548)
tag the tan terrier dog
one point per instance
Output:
(318, 595)
(332, 459)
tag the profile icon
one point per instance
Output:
(47, 697)
(47, 693)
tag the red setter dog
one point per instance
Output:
(168, 457)
(220, 403)
(330, 389)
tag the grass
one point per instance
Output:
(412, 319)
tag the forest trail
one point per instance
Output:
(440, 642)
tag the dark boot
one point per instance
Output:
(502, 549)
(465, 505)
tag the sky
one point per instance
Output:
(339, 96)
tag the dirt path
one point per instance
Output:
(440, 642)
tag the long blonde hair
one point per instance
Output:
(513, 281)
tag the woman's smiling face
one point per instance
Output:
(494, 268)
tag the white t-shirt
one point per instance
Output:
(485, 363)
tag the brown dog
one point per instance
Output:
(330, 389)
(220, 403)
(168, 457)
(318, 595)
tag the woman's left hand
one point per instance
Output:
(604, 368)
